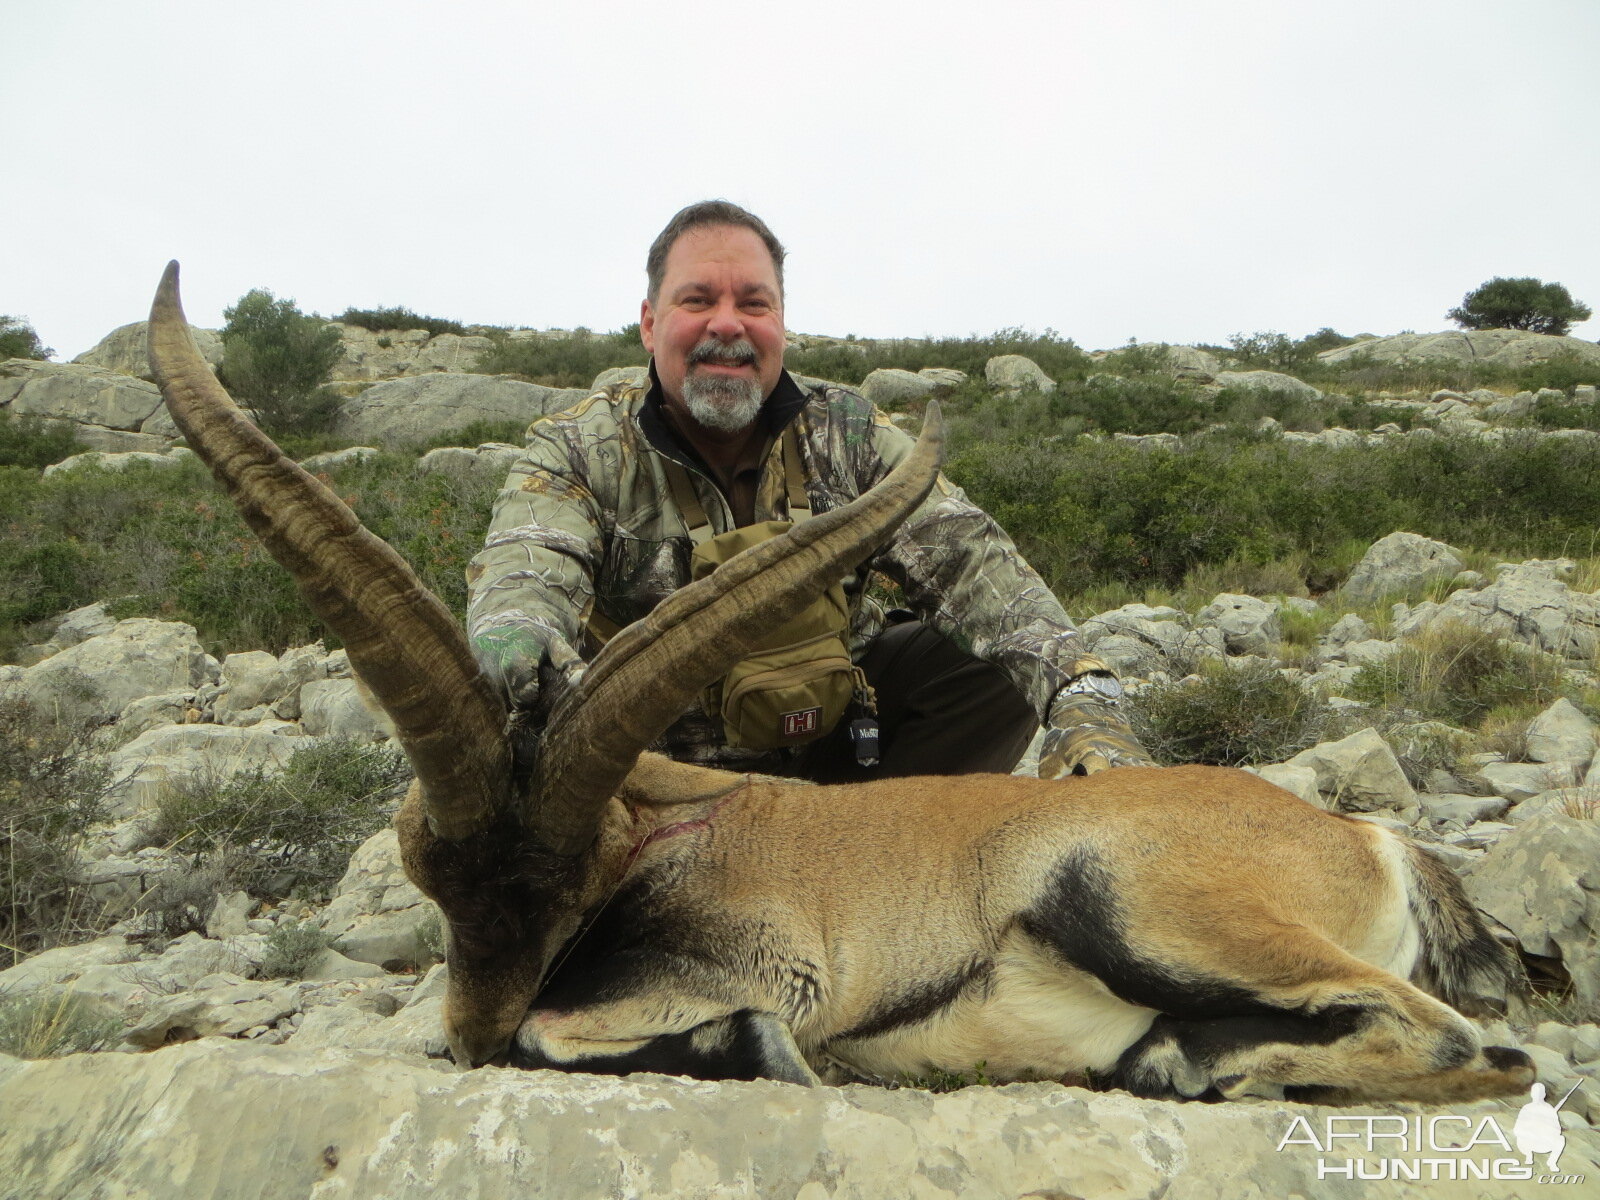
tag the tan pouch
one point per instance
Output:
(796, 683)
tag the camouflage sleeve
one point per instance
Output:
(531, 587)
(963, 575)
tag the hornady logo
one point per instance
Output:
(798, 724)
(1440, 1146)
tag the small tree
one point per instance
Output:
(276, 359)
(1524, 303)
(18, 340)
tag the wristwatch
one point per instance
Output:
(1102, 685)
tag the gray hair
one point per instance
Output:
(706, 214)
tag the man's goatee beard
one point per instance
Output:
(726, 405)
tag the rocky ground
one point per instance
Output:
(331, 1082)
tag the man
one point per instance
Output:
(599, 518)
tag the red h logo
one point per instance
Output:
(798, 724)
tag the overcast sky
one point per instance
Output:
(1176, 171)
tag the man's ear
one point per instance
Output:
(647, 327)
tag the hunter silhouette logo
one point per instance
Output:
(1439, 1146)
(1538, 1127)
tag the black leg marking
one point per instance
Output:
(919, 1003)
(1182, 1058)
(1078, 917)
(745, 1045)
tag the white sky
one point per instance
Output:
(1159, 169)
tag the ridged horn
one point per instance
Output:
(647, 675)
(402, 641)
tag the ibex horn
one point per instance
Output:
(402, 641)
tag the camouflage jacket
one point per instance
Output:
(586, 524)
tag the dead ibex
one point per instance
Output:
(1176, 931)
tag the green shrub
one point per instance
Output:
(476, 434)
(18, 340)
(291, 948)
(53, 786)
(50, 1023)
(1460, 674)
(563, 362)
(1229, 716)
(384, 319)
(168, 537)
(1521, 303)
(27, 440)
(289, 832)
(276, 361)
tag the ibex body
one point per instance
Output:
(1178, 931)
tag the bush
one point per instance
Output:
(291, 949)
(1229, 716)
(169, 538)
(53, 786)
(383, 319)
(18, 340)
(27, 440)
(275, 360)
(48, 1024)
(563, 362)
(1521, 303)
(287, 833)
(1460, 674)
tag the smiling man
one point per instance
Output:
(624, 498)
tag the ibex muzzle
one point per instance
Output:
(1178, 931)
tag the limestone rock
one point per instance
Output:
(1396, 562)
(1359, 773)
(335, 459)
(161, 758)
(377, 914)
(1016, 373)
(404, 412)
(1267, 381)
(100, 676)
(108, 461)
(126, 350)
(1542, 882)
(1500, 347)
(1527, 603)
(1248, 625)
(496, 458)
(944, 377)
(336, 707)
(82, 394)
(1137, 638)
(230, 916)
(392, 353)
(627, 376)
(888, 387)
(250, 679)
(1561, 733)
(1183, 362)
(244, 1121)
(227, 1008)
(1519, 781)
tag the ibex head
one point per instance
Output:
(508, 855)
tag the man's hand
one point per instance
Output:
(512, 657)
(1088, 733)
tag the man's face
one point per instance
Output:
(716, 328)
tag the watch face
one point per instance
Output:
(1108, 686)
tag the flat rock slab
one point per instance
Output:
(228, 1120)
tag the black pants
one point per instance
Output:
(940, 712)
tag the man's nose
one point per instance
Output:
(725, 322)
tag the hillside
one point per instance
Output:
(1366, 573)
